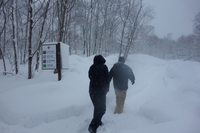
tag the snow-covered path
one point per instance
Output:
(164, 99)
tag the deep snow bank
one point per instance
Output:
(165, 98)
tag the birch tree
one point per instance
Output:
(63, 6)
(139, 17)
(3, 30)
(41, 34)
(30, 57)
(89, 27)
(125, 11)
(14, 38)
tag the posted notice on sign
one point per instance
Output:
(49, 56)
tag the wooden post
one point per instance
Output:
(58, 63)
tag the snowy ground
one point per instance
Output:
(164, 99)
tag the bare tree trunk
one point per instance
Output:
(4, 38)
(84, 40)
(124, 21)
(95, 34)
(14, 36)
(17, 31)
(84, 32)
(30, 57)
(26, 37)
(61, 18)
(67, 29)
(3, 31)
(132, 35)
(40, 36)
(4, 64)
(63, 8)
(90, 29)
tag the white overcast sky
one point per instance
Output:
(174, 16)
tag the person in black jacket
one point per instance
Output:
(98, 88)
(120, 74)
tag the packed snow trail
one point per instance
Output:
(165, 98)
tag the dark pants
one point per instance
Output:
(99, 102)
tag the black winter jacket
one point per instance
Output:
(98, 75)
(120, 74)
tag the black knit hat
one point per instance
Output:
(121, 59)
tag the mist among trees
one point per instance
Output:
(89, 27)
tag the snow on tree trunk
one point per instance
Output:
(4, 64)
(14, 39)
(134, 27)
(30, 40)
(41, 35)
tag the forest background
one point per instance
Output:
(89, 27)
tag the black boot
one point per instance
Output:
(92, 130)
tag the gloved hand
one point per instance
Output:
(133, 82)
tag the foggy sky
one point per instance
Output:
(174, 16)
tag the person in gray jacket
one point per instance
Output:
(120, 73)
